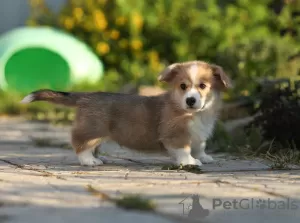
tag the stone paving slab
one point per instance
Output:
(48, 183)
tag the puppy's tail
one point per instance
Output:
(56, 97)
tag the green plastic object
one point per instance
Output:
(42, 57)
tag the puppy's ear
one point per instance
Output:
(222, 80)
(169, 73)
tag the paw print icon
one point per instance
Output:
(261, 204)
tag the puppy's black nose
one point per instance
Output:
(190, 101)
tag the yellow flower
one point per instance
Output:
(154, 60)
(102, 48)
(153, 56)
(101, 24)
(137, 20)
(100, 20)
(78, 13)
(245, 93)
(98, 14)
(156, 66)
(123, 43)
(121, 20)
(69, 23)
(136, 44)
(114, 34)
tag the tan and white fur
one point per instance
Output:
(178, 122)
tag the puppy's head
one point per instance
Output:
(196, 84)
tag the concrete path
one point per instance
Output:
(40, 181)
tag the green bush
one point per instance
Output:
(278, 116)
(136, 39)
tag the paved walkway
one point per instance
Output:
(46, 184)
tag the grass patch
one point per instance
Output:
(128, 202)
(188, 168)
(282, 159)
(135, 202)
(249, 144)
(279, 156)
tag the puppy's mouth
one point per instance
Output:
(195, 109)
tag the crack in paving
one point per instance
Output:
(130, 160)
(45, 173)
(271, 193)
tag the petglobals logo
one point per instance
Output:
(251, 203)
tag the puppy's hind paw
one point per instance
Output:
(91, 162)
(86, 158)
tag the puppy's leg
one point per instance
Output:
(198, 151)
(183, 155)
(85, 153)
(88, 130)
(176, 138)
(84, 146)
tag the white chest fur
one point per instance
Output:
(202, 125)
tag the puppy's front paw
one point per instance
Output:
(206, 158)
(189, 161)
(90, 161)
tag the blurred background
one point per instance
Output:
(122, 45)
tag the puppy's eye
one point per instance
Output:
(202, 86)
(183, 86)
